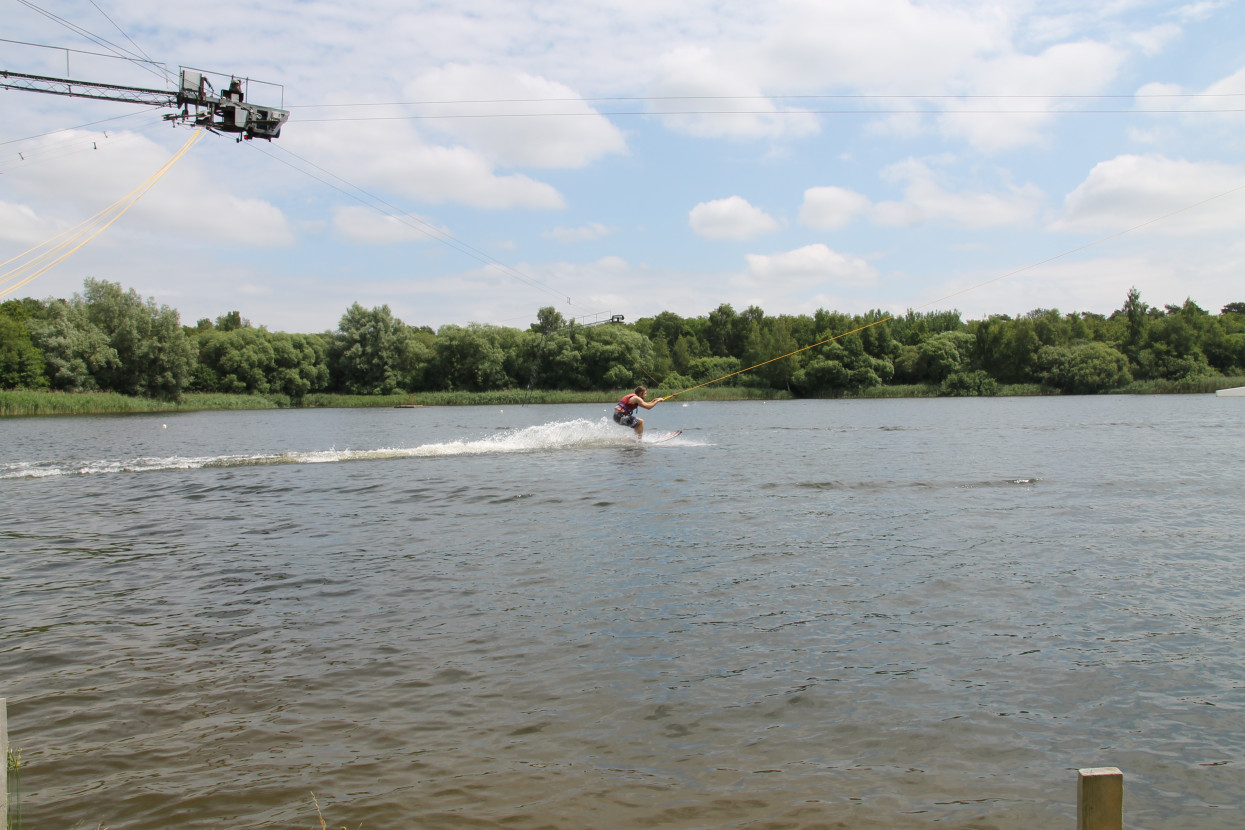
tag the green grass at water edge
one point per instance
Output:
(20, 402)
(916, 390)
(13, 766)
(932, 390)
(518, 397)
(1188, 386)
(42, 402)
(500, 397)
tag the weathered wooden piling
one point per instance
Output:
(4, 763)
(1100, 799)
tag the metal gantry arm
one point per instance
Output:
(227, 112)
(87, 89)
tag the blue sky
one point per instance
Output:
(477, 160)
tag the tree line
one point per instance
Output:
(111, 339)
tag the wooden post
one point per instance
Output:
(4, 763)
(1100, 799)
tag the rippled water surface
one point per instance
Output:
(912, 613)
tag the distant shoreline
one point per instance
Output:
(22, 403)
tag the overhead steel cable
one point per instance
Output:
(159, 120)
(780, 97)
(127, 37)
(118, 51)
(1073, 106)
(662, 113)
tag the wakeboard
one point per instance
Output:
(665, 437)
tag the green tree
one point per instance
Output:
(1136, 322)
(877, 337)
(154, 356)
(301, 364)
(914, 328)
(555, 360)
(766, 341)
(471, 359)
(374, 353)
(662, 363)
(1173, 344)
(613, 356)
(237, 361)
(1005, 348)
(74, 349)
(944, 354)
(707, 369)
(681, 355)
(969, 385)
(1227, 353)
(841, 366)
(720, 331)
(1084, 369)
(667, 325)
(232, 321)
(548, 319)
(21, 363)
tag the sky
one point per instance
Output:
(475, 161)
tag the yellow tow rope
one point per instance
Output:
(43, 257)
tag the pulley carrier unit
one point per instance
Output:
(200, 104)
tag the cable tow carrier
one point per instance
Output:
(226, 112)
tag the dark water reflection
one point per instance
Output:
(858, 614)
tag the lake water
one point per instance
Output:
(860, 614)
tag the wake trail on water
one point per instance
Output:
(556, 435)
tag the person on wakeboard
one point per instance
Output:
(624, 412)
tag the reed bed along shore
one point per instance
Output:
(20, 402)
(42, 402)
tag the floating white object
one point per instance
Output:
(1235, 392)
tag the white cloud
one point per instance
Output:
(1201, 10)
(394, 157)
(1130, 190)
(927, 200)
(1080, 68)
(1232, 85)
(370, 227)
(832, 208)
(810, 265)
(730, 218)
(531, 121)
(92, 171)
(20, 224)
(877, 45)
(584, 233)
(1154, 40)
(715, 94)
